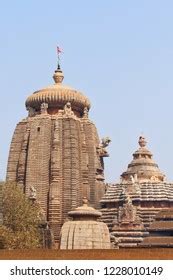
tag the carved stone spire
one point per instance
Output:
(142, 166)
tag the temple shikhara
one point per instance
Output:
(56, 156)
(56, 151)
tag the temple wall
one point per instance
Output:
(66, 184)
(15, 151)
(56, 180)
(91, 150)
(96, 185)
(38, 158)
(84, 158)
(1, 208)
(21, 173)
(57, 155)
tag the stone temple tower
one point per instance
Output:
(57, 152)
(130, 206)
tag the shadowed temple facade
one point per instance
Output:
(56, 157)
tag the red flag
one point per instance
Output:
(59, 50)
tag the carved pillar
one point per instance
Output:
(55, 193)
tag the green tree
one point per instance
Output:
(21, 220)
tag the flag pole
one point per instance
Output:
(58, 62)
(58, 66)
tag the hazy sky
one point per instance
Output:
(118, 53)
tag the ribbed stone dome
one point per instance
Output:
(85, 232)
(57, 95)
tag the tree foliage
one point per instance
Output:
(21, 220)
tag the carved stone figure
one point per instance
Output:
(134, 178)
(101, 148)
(43, 108)
(31, 111)
(67, 110)
(126, 213)
(85, 113)
(33, 193)
(105, 142)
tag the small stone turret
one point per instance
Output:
(142, 167)
(84, 231)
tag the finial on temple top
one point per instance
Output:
(142, 141)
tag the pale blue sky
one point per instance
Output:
(119, 53)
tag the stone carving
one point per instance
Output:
(33, 193)
(85, 113)
(105, 142)
(127, 213)
(127, 228)
(101, 148)
(137, 188)
(142, 141)
(31, 111)
(43, 108)
(114, 242)
(61, 161)
(60, 113)
(134, 178)
(164, 178)
(1, 208)
(68, 110)
(154, 178)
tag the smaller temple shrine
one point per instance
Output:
(128, 228)
(84, 231)
(130, 206)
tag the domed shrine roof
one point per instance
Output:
(142, 166)
(57, 95)
(85, 212)
(84, 231)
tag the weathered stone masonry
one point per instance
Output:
(57, 151)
